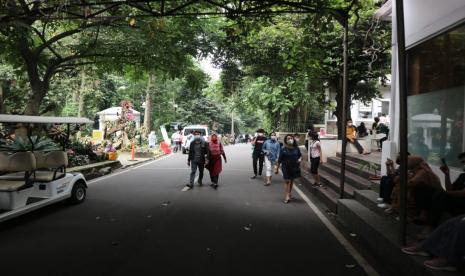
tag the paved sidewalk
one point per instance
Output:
(125, 159)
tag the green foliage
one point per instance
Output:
(24, 144)
(365, 165)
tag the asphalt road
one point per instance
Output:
(139, 222)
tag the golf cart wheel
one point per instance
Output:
(78, 194)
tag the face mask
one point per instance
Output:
(290, 141)
(197, 137)
(273, 138)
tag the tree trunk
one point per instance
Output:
(39, 87)
(148, 105)
(39, 90)
(339, 103)
(1, 98)
(81, 95)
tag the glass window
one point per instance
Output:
(436, 88)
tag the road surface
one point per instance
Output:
(140, 222)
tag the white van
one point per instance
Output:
(188, 137)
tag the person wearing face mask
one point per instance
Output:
(351, 137)
(271, 148)
(198, 151)
(315, 155)
(215, 151)
(289, 159)
(452, 200)
(257, 154)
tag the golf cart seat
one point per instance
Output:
(22, 163)
(51, 165)
(15, 192)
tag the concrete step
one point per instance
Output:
(353, 167)
(332, 182)
(357, 158)
(327, 196)
(368, 199)
(380, 236)
(351, 178)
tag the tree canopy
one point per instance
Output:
(277, 58)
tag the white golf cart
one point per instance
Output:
(34, 179)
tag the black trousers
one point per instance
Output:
(381, 142)
(443, 203)
(214, 179)
(356, 144)
(260, 158)
(386, 186)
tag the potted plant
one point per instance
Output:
(371, 167)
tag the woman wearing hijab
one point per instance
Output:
(215, 151)
(289, 160)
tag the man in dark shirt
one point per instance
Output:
(452, 200)
(198, 150)
(258, 155)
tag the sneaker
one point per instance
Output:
(389, 211)
(215, 186)
(190, 186)
(253, 177)
(200, 183)
(439, 264)
(415, 250)
(380, 200)
(383, 205)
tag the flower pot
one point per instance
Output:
(112, 156)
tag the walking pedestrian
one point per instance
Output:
(257, 154)
(271, 149)
(289, 159)
(316, 157)
(215, 151)
(198, 151)
(176, 139)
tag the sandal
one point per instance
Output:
(286, 201)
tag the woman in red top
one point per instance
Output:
(215, 151)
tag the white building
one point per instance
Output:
(359, 111)
(114, 113)
(435, 49)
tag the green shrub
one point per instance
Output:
(24, 144)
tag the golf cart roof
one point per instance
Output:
(43, 119)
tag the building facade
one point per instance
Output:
(435, 45)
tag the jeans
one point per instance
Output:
(194, 166)
(356, 144)
(260, 158)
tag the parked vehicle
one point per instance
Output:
(33, 179)
(188, 137)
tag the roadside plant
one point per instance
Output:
(24, 144)
(371, 167)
